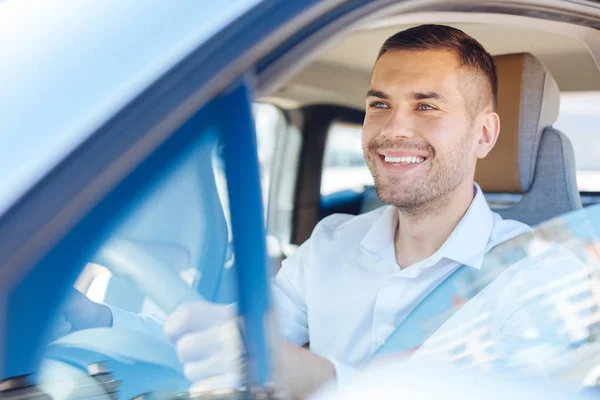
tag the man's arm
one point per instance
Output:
(137, 322)
(302, 372)
(309, 370)
(81, 313)
(202, 333)
(209, 346)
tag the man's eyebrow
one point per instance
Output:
(413, 95)
(426, 96)
(378, 93)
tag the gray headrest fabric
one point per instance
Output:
(540, 99)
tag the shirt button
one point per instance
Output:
(380, 340)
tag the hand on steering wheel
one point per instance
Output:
(80, 313)
(208, 343)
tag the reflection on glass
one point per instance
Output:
(173, 246)
(532, 307)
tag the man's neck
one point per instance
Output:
(420, 233)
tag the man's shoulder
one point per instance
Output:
(334, 236)
(506, 229)
(344, 226)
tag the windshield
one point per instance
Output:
(533, 307)
(67, 67)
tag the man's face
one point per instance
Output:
(418, 135)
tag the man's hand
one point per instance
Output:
(208, 344)
(79, 313)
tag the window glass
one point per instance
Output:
(344, 166)
(283, 166)
(64, 71)
(532, 307)
(267, 119)
(173, 245)
(579, 119)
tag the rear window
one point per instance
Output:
(579, 119)
(344, 166)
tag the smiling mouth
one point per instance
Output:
(402, 161)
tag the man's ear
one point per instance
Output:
(488, 135)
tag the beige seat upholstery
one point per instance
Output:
(530, 158)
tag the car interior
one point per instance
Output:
(531, 173)
(530, 176)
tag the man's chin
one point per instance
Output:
(398, 196)
(398, 186)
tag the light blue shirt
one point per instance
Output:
(344, 292)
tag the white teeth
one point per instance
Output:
(407, 160)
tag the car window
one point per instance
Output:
(173, 244)
(278, 148)
(531, 308)
(267, 119)
(344, 166)
(579, 119)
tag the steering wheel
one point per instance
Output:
(124, 347)
(151, 276)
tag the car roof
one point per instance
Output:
(339, 74)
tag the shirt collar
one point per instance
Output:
(466, 245)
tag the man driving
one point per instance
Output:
(430, 115)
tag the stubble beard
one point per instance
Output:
(430, 194)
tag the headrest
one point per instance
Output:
(528, 102)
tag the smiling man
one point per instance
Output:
(430, 115)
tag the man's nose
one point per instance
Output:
(399, 125)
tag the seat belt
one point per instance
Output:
(442, 302)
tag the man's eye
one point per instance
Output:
(425, 107)
(378, 104)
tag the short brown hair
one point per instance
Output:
(470, 52)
